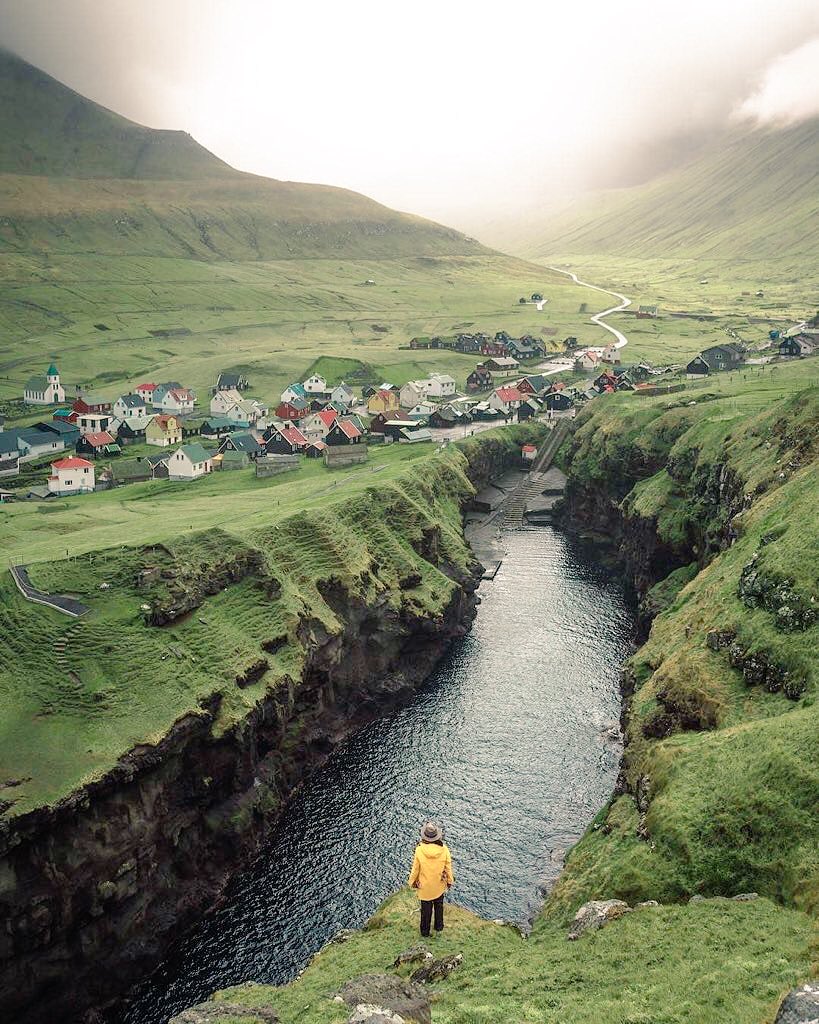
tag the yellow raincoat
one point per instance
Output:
(431, 873)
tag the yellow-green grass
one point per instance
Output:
(272, 320)
(67, 716)
(717, 962)
(729, 784)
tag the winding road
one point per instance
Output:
(597, 318)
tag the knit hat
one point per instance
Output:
(431, 833)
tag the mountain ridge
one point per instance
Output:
(75, 176)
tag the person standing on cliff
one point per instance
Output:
(431, 876)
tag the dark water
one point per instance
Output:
(505, 746)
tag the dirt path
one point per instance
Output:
(597, 318)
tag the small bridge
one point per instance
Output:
(60, 603)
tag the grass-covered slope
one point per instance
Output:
(75, 177)
(721, 770)
(191, 588)
(751, 195)
(718, 962)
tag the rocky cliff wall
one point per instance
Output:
(93, 888)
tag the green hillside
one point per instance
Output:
(754, 195)
(75, 177)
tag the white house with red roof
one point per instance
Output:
(71, 476)
(506, 400)
(315, 426)
(146, 392)
(178, 401)
(589, 360)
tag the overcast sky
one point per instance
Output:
(434, 106)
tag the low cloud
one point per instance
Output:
(789, 88)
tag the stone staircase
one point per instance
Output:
(61, 648)
(514, 506)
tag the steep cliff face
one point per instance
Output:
(93, 887)
(713, 518)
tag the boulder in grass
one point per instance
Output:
(412, 956)
(366, 1013)
(438, 969)
(745, 897)
(800, 1006)
(395, 995)
(595, 914)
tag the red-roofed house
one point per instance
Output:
(315, 426)
(176, 400)
(528, 452)
(383, 401)
(505, 400)
(71, 476)
(146, 392)
(284, 440)
(98, 444)
(343, 431)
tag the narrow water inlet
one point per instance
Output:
(508, 745)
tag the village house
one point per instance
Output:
(176, 400)
(189, 462)
(131, 430)
(293, 411)
(159, 465)
(69, 433)
(501, 365)
(45, 390)
(797, 347)
(505, 400)
(97, 445)
(447, 416)
(244, 442)
(421, 411)
(343, 395)
(416, 435)
(231, 382)
(315, 385)
(216, 427)
(605, 382)
(718, 357)
(393, 428)
(71, 476)
(87, 405)
(558, 401)
(93, 422)
(163, 430)
(610, 354)
(533, 384)
(224, 400)
(411, 393)
(282, 440)
(528, 408)
(524, 348)
(130, 406)
(479, 380)
(383, 401)
(317, 424)
(29, 443)
(343, 432)
(293, 392)
(644, 312)
(588, 360)
(440, 385)
(146, 392)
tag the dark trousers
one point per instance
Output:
(427, 906)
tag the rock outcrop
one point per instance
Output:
(437, 970)
(205, 1013)
(407, 999)
(800, 1006)
(595, 915)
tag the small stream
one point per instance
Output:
(508, 745)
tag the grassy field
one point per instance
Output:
(271, 320)
(717, 962)
(68, 715)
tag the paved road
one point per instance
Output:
(66, 605)
(597, 318)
